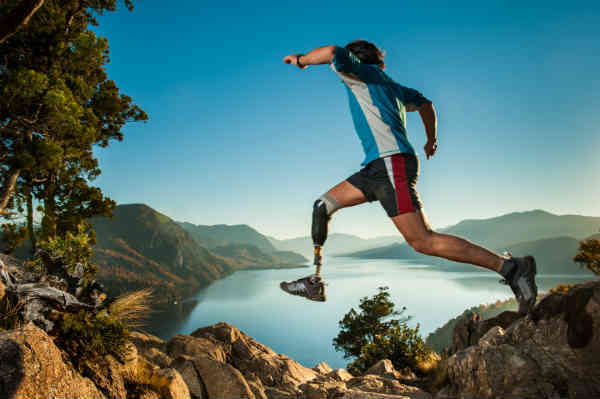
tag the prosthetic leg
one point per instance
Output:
(312, 287)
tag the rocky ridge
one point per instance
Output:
(551, 353)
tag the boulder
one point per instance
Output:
(107, 374)
(210, 378)
(470, 328)
(355, 394)
(2, 290)
(170, 384)
(383, 368)
(323, 389)
(157, 357)
(340, 375)
(151, 348)
(31, 364)
(193, 346)
(249, 356)
(375, 383)
(144, 341)
(323, 368)
(551, 353)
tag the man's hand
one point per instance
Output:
(293, 59)
(430, 148)
(429, 118)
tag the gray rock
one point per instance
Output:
(550, 354)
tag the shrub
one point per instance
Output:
(369, 336)
(589, 255)
(86, 335)
(67, 251)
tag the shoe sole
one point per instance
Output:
(323, 299)
(527, 306)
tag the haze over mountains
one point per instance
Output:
(337, 243)
(141, 247)
(552, 239)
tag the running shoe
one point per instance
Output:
(522, 283)
(311, 287)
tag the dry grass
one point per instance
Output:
(132, 308)
(9, 313)
(427, 363)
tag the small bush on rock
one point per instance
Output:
(370, 335)
(85, 334)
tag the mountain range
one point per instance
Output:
(552, 239)
(337, 243)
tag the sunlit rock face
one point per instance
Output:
(31, 365)
(551, 353)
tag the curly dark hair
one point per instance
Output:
(366, 52)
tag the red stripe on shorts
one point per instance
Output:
(403, 200)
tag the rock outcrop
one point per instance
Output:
(220, 361)
(551, 353)
(31, 366)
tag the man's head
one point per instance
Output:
(367, 52)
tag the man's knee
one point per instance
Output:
(422, 244)
(323, 208)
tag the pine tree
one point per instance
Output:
(56, 104)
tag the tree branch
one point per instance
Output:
(18, 17)
(7, 190)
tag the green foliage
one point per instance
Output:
(56, 104)
(589, 255)
(86, 334)
(401, 344)
(372, 335)
(67, 251)
(13, 235)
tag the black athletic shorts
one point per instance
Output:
(392, 181)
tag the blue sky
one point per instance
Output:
(236, 136)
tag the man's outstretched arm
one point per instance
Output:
(318, 56)
(427, 112)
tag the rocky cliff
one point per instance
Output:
(552, 353)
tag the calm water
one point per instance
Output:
(304, 330)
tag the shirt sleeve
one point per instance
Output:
(412, 96)
(347, 63)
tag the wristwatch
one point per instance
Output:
(298, 61)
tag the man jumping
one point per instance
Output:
(378, 106)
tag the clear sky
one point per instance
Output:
(236, 136)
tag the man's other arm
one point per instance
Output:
(318, 56)
(429, 118)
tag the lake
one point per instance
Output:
(304, 330)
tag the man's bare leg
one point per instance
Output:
(347, 195)
(419, 235)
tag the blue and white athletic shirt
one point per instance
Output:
(377, 104)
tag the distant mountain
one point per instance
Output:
(222, 235)
(552, 239)
(519, 227)
(336, 244)
(141, 247)
(251, 257)
(222, 238)
(552, 255)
